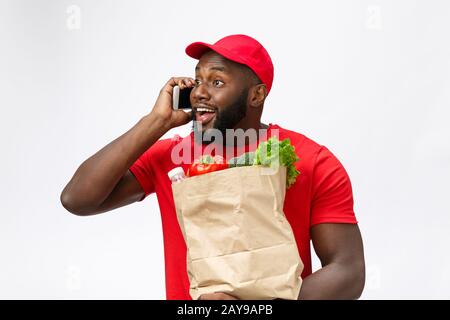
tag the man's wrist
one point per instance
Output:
(154, 121)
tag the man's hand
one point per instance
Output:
(163, 109)
(217, 296)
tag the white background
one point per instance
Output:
(367, 79)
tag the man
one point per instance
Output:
(233, 79)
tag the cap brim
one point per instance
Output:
(197, 49)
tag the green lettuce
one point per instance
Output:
(273, 153)
(245, 159)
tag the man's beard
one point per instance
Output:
(228, 118)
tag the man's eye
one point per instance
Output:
(218, 83)
(197, 82)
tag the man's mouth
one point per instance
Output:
(204, 114)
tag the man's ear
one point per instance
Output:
(258, 95)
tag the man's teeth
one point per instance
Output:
(204, 110)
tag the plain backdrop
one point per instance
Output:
(368, 79)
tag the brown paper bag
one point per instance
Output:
(238, 239)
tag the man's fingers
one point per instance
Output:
(168, 87)
(182, 82)
(187, 82)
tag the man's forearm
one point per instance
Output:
(97, 176)
(334, 281)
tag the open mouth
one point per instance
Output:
(204, 115)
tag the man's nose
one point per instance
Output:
(200, 93)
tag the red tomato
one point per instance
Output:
(207, 164)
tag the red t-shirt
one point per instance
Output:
(321, 194)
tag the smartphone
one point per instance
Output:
(181, 98)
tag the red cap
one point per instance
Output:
(241, 49)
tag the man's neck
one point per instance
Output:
(260, 131)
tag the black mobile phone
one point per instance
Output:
(181, 98)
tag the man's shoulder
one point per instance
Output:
(298, 140)
(162, 144)
(165, 145)
(167, 142)
(310, 153)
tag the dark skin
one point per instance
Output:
(103, 182)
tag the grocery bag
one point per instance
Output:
(238, 239)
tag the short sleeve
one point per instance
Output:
(143, 172)
(332, 197)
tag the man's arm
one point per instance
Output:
(103, 182)
(340, 250)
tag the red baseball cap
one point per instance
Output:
(242, 49)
